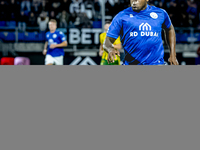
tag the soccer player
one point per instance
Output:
(53, 48)
(139, 27)
(116, 45)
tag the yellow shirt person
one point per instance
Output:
(103, 53)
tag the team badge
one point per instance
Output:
(50, 41)
(54, 36)
(153, 15)
(131, 15)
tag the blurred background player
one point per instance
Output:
(55, 41)
(139, 27)
(116, 45)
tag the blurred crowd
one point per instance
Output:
(37, 13)
(82, 13)
(183, 13)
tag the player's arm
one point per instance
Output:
(170, 38)
(112, 34)
(109, 47)
(101, 50)
(117, 46)
(171, 41)
(45, 48)
(63, 44)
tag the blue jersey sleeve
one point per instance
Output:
(115, 27)
(167, 20)
(62, 36)
(46, 37)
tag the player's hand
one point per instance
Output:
(100, 53)
(52, 46)
(111, 56)
(44, 52)
(173, 60)
(117, 53)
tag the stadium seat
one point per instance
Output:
(2, 23)
(198, 37)
(36, 36)
(41, 37)
(183, 37)
(30, 37)
(21, 36)
(9, 36)
(178, 36)
(7, 61)
(12, 24)
(22, 61)
(96, 24)
(2, 36)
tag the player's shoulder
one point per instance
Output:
(102, 34)
(157, 9)
(59, 32)
(47, 34)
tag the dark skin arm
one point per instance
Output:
(171, 42)
(110, 49)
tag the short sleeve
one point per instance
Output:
(62, 36)
(101, 38)
(167, 21)
(46, 37)
(115, 27)
(117, 41)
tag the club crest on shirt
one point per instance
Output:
(54, 36)
(131, 15)
(50, 41)
(154, 15)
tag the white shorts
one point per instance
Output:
(53, 60)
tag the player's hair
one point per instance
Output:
(107, 22)
(54, 21)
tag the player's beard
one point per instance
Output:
(136, 7)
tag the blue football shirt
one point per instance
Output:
(55, 38)
(140, 34)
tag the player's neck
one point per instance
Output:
(52, 31)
